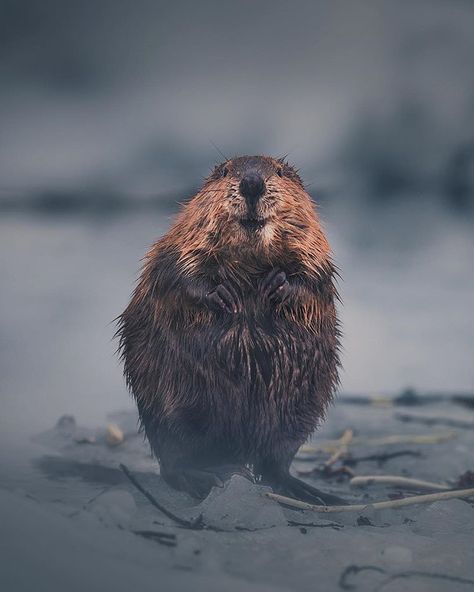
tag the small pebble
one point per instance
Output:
(114, 435)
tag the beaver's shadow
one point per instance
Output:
(57, 468)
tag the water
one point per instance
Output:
(408, 286)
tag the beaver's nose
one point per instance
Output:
(252, 187)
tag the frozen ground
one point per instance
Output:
(73, 520)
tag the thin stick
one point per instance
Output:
(395, 480)
(194, 524)
(332, 445)
(399, 503)
(341, 450)
(381, 457)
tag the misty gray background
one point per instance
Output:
(109, 112)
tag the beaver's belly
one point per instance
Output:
(264, 355)
(258, 380)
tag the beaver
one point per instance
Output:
(230, 341)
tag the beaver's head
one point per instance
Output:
(249, 204)
(253, 190)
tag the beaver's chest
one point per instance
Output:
(257, 351)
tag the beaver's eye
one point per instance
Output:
(225, 171)
(280, 171)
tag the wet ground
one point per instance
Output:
(72, 518)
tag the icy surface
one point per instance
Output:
(241, 505)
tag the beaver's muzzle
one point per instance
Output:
(252, 187)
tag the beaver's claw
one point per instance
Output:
(275, 286)
(223, 297)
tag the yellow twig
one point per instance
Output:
(341, 450)
(330, 446)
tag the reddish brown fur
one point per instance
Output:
(252, 385)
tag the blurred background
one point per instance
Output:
(111, 113)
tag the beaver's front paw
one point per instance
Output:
(223, 297)
(275, 286)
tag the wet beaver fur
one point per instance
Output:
(230, 341)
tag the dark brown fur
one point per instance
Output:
(241, 385)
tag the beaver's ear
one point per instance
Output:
(289, 171)
(220, 170)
